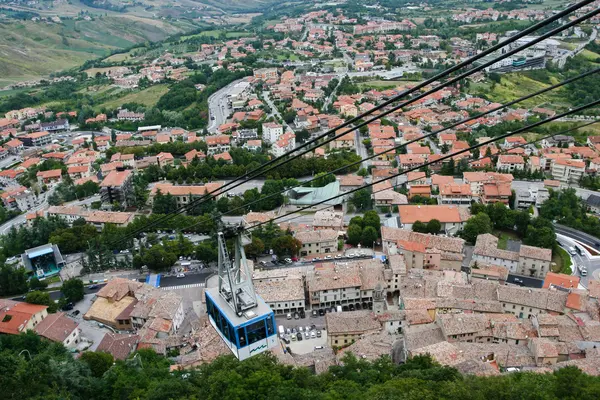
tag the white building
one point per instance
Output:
(272, 131)
(568, 170)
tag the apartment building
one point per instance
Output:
(36, 139)
(285, 143)
(510, 162)
(568, 170)
(271, 132)
(117, 186)
(217, 144)
(323, 241)
(350, 285)
(451, 217)
(525, 302)
(528, 261)
(17, 317)
(455, 193)
(282, 296)
(328, 219)
(422, 251)
(347, 327)
(185, 194)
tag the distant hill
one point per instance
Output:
(30, 50)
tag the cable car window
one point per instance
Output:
(270, 326)
(242, 337)
(256, 331)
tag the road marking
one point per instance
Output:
(191, 285)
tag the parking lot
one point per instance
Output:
(348, 255)
(305, 345)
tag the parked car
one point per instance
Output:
(328, 257)
(338, 256)
(181, 275)
(313, 334)
(293, 338)
(76, 312)
(307, 328)
(296, 316)
(68, 306)
(300, 329)
(318, 347)
(288, 260)
(289, 316)
(315, 313)
(318, 333)
(306, 335)
(94, 286)
(299, 336)
(288, 331)
(321, 312)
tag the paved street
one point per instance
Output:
(218, 106)
(275, 111)
(569, 237)
(361, 149)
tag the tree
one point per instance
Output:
(286, 245)
(207, 252)
(371, 218)
(41, 298)
(420, 227)
(361, 199)
(434, 226)
(73, 290)
(12, 280)
(476, 225)
(323, 179)
(362, 172)
(369, 236)
(255, 248)
(163, 204)
(36, 284)
(98, 362)
(354, 234)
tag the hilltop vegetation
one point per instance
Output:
(30, 50)
(49, 371)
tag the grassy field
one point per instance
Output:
(147, 97)
(504, 237)
(216, 34)
(30, 50)
(590, 55)
(562, 261)
(515, 85)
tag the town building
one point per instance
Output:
(271, 132)
(17, 317)
(185, 194)
(59, 328)
(283, 297)
(322, 241)
(528, 261)
(36, 139)
(347, 327)
(117, 187)
(452, 218)
(567, 170)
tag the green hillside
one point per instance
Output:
(30, 50)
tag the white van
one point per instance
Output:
(339, 308)
(572, 251)
(281, 331)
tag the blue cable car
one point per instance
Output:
(246, 335)
(242, 319)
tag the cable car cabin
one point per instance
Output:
(246, 336)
